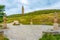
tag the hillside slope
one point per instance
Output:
(38, 17)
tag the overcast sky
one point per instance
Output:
(14, 6)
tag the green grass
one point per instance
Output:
(6, 39)
(1, 26)
(2, 37)
(49, 36)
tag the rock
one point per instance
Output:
(16, 22)
(56, 25)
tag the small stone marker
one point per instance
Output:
(4, 23)
(56, 22)
(31, 22)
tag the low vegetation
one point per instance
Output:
(6, 39)
(50, 37)
(1, 26)
(2, 37)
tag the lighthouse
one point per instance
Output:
(22, 10)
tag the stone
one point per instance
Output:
(31, 22)
(16, 22)
(4, 23)
(55, 22)
(56, 25)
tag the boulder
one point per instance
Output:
(16, 22)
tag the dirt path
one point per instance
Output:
(26, 32)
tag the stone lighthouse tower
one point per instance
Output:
(56, 21)
(22, 10)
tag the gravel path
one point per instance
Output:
(26, 32)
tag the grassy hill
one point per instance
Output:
(38, 17)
